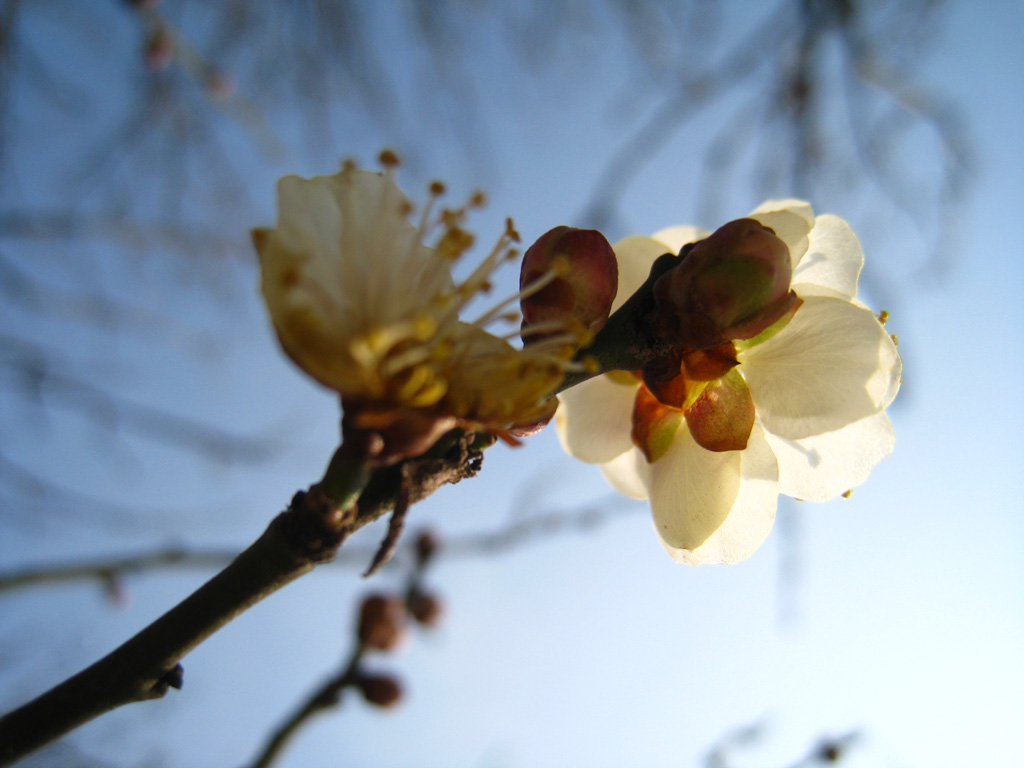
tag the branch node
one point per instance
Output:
(172, 678)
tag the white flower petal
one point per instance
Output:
(676, 237)
(595, 419)
(752, 515)
(791, 220)
(629, 474)
(692, 491)
(308, 216)
(833, 260)
(832, 365)
(822, 467)
(635, 255)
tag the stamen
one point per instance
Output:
(551, 326)
(388, 159)
(570, 339)
(407, 359)
(477, 282)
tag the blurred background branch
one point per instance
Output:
(139, 141)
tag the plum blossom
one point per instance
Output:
(794, 404)
(364, 302)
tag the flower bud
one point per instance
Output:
(381, 622)
(577, 275)
(427, 544)
(380, 690)
(732, 285)
(159, 51)
(425, 608)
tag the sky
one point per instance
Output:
(897, 613)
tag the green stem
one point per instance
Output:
(624, 343)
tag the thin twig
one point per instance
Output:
(308, 533)
(328, 695)
(395, 526)
(506, 538)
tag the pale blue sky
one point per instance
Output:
(596, 649)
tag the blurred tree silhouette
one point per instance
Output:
(133, 132)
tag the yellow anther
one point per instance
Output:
(847, 494)
(883, 316)
(478, 199)
(454, 242)
(561, 265)
(510, 230)
(590, 364)
(388, 159)
(424, 327)
(895, 339)
(437, 188)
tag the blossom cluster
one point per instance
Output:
(364, 301)
(761, 371)
(794, 405)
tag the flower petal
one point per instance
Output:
(791, 220)
(833, 260)
(595, 419)
(692, 491)
(629, 474)
(676, 237)
(822, 467)
(635, 255)
(833, 364)
(752, 515)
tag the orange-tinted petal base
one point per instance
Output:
(654, 425)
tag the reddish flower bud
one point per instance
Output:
(732, 285)
(425, 608)
(382, 622)
(159, 51)
(427, 545)
(380, 690)
(568, 276)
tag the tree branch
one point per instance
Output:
(145, 666)
(328, 695)
(511, 535)
(308, 533)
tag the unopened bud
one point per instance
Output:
(579, 274)
(425, 608)
(427, 545)
(380, 690)
(732, 285)
(159, 51)
(381, 622)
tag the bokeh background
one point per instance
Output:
(146, 407)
